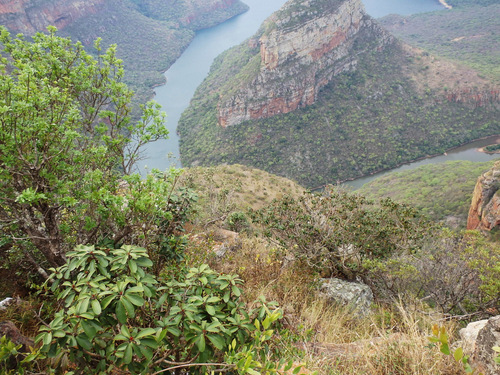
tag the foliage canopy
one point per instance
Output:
(67, 151)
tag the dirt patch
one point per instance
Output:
(441, 75)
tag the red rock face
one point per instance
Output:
(28, 16)
(298, 58)
(484, 212)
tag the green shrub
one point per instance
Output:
(116, 316)
(237, 221)
(335, 231)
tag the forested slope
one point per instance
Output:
(397, 105)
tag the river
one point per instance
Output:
(187, 73)
(466, 152)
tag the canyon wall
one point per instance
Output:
(484, 213)
(30, 16)
(303, 47)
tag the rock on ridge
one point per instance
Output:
(303, 46)
(478, 340)
(484, 212)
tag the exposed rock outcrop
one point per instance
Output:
(484, 213)
(302, 47)
(358, 297)
(30, 16)
(478, 340)
(9, 329)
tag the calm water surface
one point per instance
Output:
(466, 152)
(187, 73)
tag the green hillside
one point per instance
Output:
(150, 35)
(438, 190)
(377, 117)
(469, 33)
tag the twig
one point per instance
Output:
(196, 364)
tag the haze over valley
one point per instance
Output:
(321, 194)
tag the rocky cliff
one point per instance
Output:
(484, 213)
(302, 47)
(29, 16)
(150, 34)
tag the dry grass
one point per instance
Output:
(328, 338)
(228, 188)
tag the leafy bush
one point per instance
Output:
(455, 273)
(335, 231)
(116, 316)
(68, 149)
(237, 221)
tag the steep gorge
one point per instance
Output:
(30, 16)
(150, 34)
(321, 93)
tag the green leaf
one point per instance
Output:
(47, 338)
(149, 342)
(210, 310)
(107, 300)
(445, 349)
(89, 329)
(96, 307)
(146, 352)
(200, 343)
(144, 262)
(146, 332)
(174, 331)
(458, 354)
(128, 306)
(236, 291)
(127, 356)
(59, 334)
(133, 266)
(218, 341)
(124, 330)
(296, 370)
(120, 312)
(84, 342)
(134, 299)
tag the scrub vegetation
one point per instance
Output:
(442, 191)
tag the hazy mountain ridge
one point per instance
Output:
(149, 40)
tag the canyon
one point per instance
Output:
(322, 93)
(30, 16)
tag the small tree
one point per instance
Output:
(67, 150)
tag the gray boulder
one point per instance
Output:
(468, 335)
(478, 340)
(484, 355)
(357, 296)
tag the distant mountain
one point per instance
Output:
(150, 34)
(322, 93)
